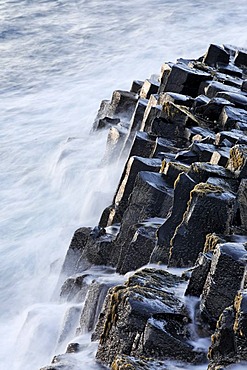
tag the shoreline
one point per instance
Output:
(180, 201)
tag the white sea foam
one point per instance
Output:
(59, 59)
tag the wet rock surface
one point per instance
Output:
(224, 280)
(123, 362)
(210, 209)
(145, 309)
(229, 340)
(181, 201)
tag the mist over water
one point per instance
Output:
(59, 59)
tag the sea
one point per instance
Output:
(58, 60)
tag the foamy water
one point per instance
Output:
(59, 59)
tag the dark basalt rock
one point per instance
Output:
(229, 185)
(185, 80)
(211, 88)
(136, 86)
(108, 122)
(242, 201)
(233, 137)
(228, 79)
(164, 129)
(151, 197)
(172, 169)
(230, 69)
(204, 151)
(139, 250)
(220, 157)
(231, 49)
(152, 111)
(175, 98)
(155, 279)
(230, 116)
(239, 100)
(242, 126)
(114, 144)
(201, 171)
(164, 75)
(75, 288)
(212, 240)
(122, 106)
(164, 146)
(133, 167)
(223, 281)
(124, 362)
(223, 350)
(178, 115)
(244, 86)
(199, 275)
(229, 342)
(170, 121)
(165, 337)
(205, 134)
(187, 156)
(240, 324)
(216, 54)
(241, 58)
(200, 100)
(183, 187)
(217, 208)
(150, 86)
(191, 214)
(123, 103)
(103, 112)
(153, 102)
(73, 348)
(213, 108)
(88, 247)
(135, 124)
(77, 245)
(130, 314)
(93, 304)
(143, 145)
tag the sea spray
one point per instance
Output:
(58, 60)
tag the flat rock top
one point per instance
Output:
(156, 180)
(237, 251)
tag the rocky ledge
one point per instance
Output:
(180, 203)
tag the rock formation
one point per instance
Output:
(181, 202)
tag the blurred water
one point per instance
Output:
(59, 59)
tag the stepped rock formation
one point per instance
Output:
(181, 202)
